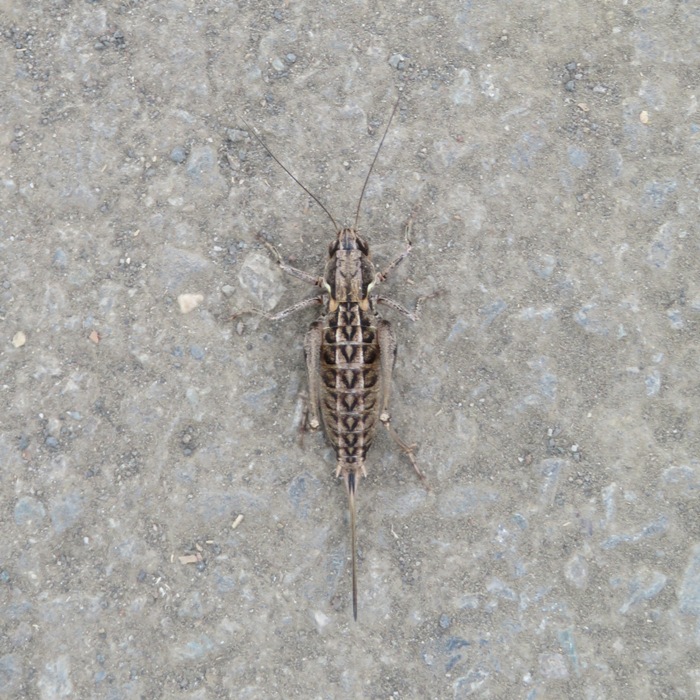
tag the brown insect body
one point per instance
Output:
(350, 388)
(350, 353)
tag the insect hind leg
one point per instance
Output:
(387, 345)
(408, 450)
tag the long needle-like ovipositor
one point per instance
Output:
(350, 483)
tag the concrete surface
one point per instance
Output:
(549, 153)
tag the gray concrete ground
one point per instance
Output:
(549, 155)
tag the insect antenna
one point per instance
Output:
(376, 155)
(276, 159)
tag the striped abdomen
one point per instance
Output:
(350, 381)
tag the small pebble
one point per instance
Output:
(178, 154)
(260, 280)
(65, 511)
(203, 169)
(397, 61)
(19, 339)
(235, 135)
(60, 259)
(29, 510)
(189, 302)
(55, 678)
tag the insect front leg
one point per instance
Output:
(387, 355)
(381, 276)
(293, 271)
(303, 304)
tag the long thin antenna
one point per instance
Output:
(274, 157)
(376, 155)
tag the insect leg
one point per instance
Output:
(381, 276)
(303, 304)
(293, 271)
(413, 315)
(312, 351)
(387, 355)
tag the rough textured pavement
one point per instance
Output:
(548, 154)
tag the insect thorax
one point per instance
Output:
(349, 271)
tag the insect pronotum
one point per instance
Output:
(350, 350)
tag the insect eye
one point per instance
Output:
(333, 248)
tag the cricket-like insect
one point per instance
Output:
(350, 350)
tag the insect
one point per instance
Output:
(350, 350)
